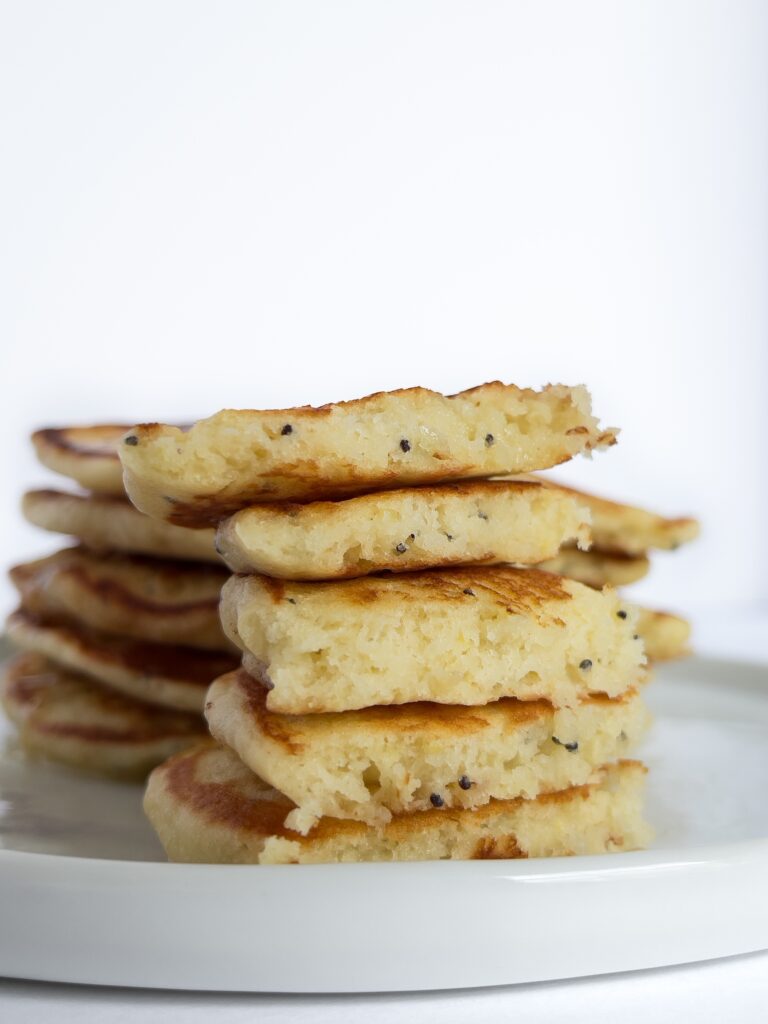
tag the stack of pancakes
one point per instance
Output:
(413, 686)
(121, 635)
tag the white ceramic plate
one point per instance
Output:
(85, 896)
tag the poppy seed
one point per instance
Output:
(570, 747)
(436, 800)
(464, 782)
(405, 444)
(287, 429)
(131, 440)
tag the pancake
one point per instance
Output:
(597, 568)
(367, 765)
(85, 454)
(665, 635)
(164, 602)
(105, 523)
(423, 527)
(207, 807)
(462, 636)
(175, 677)
(71, 719)
(627, 529)
(388, 440)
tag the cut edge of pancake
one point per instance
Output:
(207, 807)
(367, 765)
(410, 437)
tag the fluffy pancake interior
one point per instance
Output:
(455, 637)
(392, 439)
(369, 764)
(402, 530)
(206, 806)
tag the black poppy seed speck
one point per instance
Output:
(405, 444)
(436, 800)
(131, 440)
(287, 429)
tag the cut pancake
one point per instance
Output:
(168, 602)
(387, 440)
(85, 454)
(175, 677)
(367, 765)
(71, 719)
(208, 807)
(629, 530)
(464, 636)
(105, 523)
(665, 635)
(480, 522)
(597, 568)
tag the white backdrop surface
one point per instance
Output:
(269, 203)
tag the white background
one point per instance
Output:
(268, 203)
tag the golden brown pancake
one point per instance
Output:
(368, 765)
(207, 807)
(627, 529)
(85, 454)
(597, 568)
(71, 719)
(163, 601)
(461, 636)
(105, 523)
(480, 522)
(665, 635)
(175, 677)
(387, 440)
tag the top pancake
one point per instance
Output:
(387, 440)
(85, 454)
